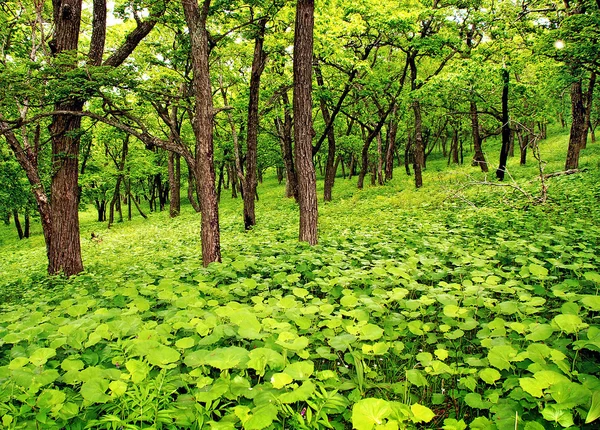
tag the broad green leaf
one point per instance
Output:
(592, 276)
(568, 395)
(40, 356)
(415, 377)
(489, 375)
(185, 342)
(591, 302)
(539, 332)
(280, 380)
(482, 423)
(474, 400)
(533, 386)
(300, 370)
(537, 270)
(262, 417)
(594, 412)
(342, 341)
(421, 413)
(94, 391)
(17, 363)
(260, 358)
(138, 370)
(452, 424)
(370, 332)
(501, 356)
(301, 394)
(569, 323)
(51, 398)
(117, 388)
(227, 358)
(370, 412)
(560, 416)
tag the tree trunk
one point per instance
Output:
(284, 129)
(578, 126)
(174, 184)
(329, 165)
(379, 159)
(64, 251)
(307, 181)
(26, 231)
(258, 65)
(391, 148)
(478, 157)
(419, 153)
(505, 127)
(589, 99)
(203, 129)
(15, 213)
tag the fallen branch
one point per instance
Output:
(565, 172)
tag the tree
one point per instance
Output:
(303, 131)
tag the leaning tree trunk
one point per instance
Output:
(478, 157)
(589, 99)
(505, 127)
(307, 181)
(391, 148)
(419, 150)
(578, 126)
(203, 130)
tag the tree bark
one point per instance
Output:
(578, 126)
(174, 184)
(505, 127)
(307, 181)
(18, 226)
(203, 130)
(64, 251)
(391, 148)
(478, 157)
(258, 65)
(329, 166)
(284, 129)
(589, 99)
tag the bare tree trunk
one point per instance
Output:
(203, 130)
(329, 166)
(250, 182)
(478, 157)
(391, 148)
(284, 129)
(505, 127)
(303, 131)
(578, 126)
(15, 213)
(26, 232)
(379, 159)
(174, 184)
(589, 99)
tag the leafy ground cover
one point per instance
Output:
(454, 306)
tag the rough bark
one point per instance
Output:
(505, 127)
(391, 147)
(258, 65)
(203, 129)
(419, 150)
(329, 166)
(578, 126)
(174, 184)
(478, 157)
(307, 181)
(18, 226)
(284, 130)
(589, 99)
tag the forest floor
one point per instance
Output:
(461, 303)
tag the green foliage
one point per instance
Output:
(402, 317)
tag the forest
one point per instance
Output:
(263, 214)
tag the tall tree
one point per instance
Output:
(202, 125)
(303, 130)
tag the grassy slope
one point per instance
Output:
(446, 234)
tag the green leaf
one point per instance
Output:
(227, 358)
(591, 302)
(592, 276)
(18, 362)
(539, 332)
(501, 356)
(300, 370)
(40, 356)
(260, 358)
(280, 380)
(415, 377)
(117, 388)
(568, 395)
(421, 413)
(594, 412)
(370, 332)
(489, 375)
(560, 416)
(301, 394)
(474, 400)
(370, 412)
(162, 355)
(51, 398)
(452, 424)
(533, 386)
(262, 417)
(537, 270)
(569, 323)
(94, 390)
(138, 370)
(185, 342)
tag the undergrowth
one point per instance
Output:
(459, 305)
